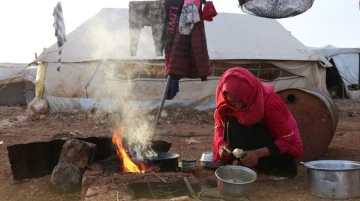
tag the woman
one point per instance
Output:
(249, 115)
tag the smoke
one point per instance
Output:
(110, 39)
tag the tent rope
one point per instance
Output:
(87, 85)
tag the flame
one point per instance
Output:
(128, 164)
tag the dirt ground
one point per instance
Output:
(190, 132)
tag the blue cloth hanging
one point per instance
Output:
(173, 88)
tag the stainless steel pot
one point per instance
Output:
(335, 179)
(234, 180)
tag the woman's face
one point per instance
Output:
(235, 102)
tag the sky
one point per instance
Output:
(27, 26)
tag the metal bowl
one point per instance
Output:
(335, 179)
(234, 180)
(206, 160)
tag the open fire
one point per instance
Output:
(128, 165)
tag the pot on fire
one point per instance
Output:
(166, 161)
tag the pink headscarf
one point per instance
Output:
(242, 84)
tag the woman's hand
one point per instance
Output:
(225, 152)
(251, 158)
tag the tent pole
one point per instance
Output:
(162, 101)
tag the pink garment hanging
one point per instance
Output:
(196, 2)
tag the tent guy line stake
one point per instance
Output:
(162, 101)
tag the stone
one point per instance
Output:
(92, 191)
(77, 152)
(66, 178)
(37, 105)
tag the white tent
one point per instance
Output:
(346, 62)
(16, 83)
(98, 51)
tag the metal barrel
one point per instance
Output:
(316, 116)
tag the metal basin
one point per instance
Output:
(234, 180)
(335, 179)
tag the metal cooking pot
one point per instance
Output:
(166, 161)
(235, 180)
(335, 179)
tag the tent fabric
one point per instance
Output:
(346, 61)
(16, 83)
(101, 44)
(80, 80)
(17, 72)
(229, 36)
(330, 51)
(348, 66)
(312, 76)
(75, 80)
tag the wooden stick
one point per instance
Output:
(159, 176)
(162, 102)
(190, 188)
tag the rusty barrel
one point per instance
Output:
(316, 116)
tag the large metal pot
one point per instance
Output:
(335, 179)
(234, 180)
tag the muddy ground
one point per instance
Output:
(190, 132)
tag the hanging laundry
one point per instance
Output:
(146, 13)
(60, 32)
(209, 11)
(188, 55)
(196, 2)
(173, 88)
(59, 25)
(173, 9)
(189, 16)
